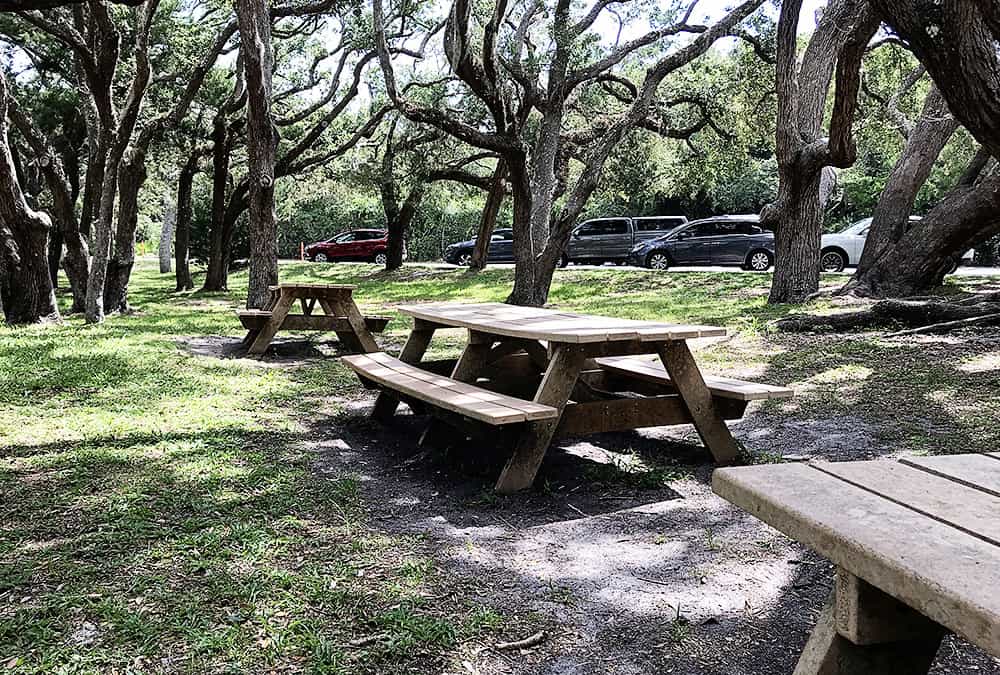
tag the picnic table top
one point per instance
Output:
(925, 530)
(552, 325)
(312, 287)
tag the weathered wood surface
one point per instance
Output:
(928, 544)
(545, 324)
(255, 319)
(459, 397)
(651, 369)
(341, 315)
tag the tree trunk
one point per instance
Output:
(215, 274)
(494, 201)
(895, 204)
(131, 176)
(55, 255)
(968, 216)
(400, 225)
(26, 292)
(839, 42)
(255, 32)
(184, 216)
(167, 233)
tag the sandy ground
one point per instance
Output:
(624, 579)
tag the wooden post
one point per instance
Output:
(267, 333)
(890, 647)
(686, 377)
(529, 450)
(472, 362)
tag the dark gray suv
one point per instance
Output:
(721, 240)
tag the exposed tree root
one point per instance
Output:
(920, 315)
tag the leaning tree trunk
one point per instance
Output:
(258, 61)
(185, 213)
(494, 201)
(167, 233)
(895, 204)
(969, 215)
(215, 275)
(26, 292)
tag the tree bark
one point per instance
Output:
(804, 156)
(26, 292)
(895, 204)
(258, 60)
(167, 229)
(131, 176)
(185, 214)
(494, 202)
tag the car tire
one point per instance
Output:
(952, 267)
(563, 260)
(380, 258)
(832, 261)
(759, 261)
(658, 260)
(320, 258)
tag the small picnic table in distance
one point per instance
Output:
(916, 543)
(340, 315)
(547, 373)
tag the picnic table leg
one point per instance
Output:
(414, 350)
(335, 309)
(472, 362)
(690, 384)
(267, 333)
(529, 450)
(863, 631)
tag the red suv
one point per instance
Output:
(365, 245)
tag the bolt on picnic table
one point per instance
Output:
(540, 374)
(916, 543)
(340, 315)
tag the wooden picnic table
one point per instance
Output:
(549, 373)
(340, 315)
(917, 548)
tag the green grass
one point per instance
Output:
(160, 511)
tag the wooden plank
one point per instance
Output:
(945, 574)
(542, 324)
(480, 404)
(624, 414)
(530, 409)
(317, 322)
(970, 510)
(978, 471)
(312, 287)
(724, 387)
(686, 377)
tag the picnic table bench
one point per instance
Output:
(917, 548)
(541, 374)
(340, 315)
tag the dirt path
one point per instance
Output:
(626, 577)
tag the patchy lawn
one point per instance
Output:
(168, 510)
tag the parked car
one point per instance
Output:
(844, 248)
(593, 241)
(360, 245)
(721, 240)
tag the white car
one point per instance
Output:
(844, 248)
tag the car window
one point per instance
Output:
(704, 230)
(506, 235)
(750, 228)
(602, 227)
(361, 235)
(657, 224)
(344, 238)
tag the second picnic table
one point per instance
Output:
(340, 315)
(549, 373)
(917, 548)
